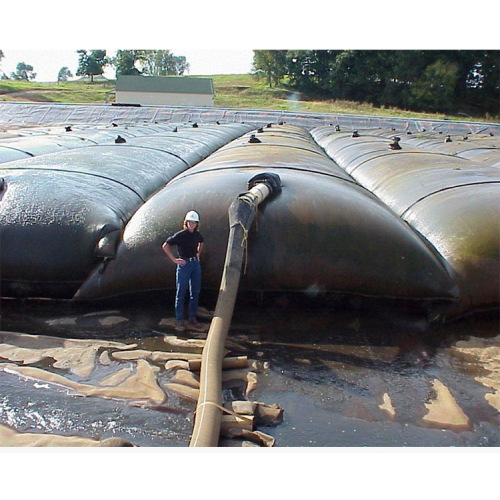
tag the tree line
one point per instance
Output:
(420, 80)
(131, 62)
(93, 63)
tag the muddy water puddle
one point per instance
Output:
(344, 377)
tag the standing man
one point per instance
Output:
(189, 242)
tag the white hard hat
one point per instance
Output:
(192, 216)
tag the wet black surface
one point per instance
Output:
(329, 368)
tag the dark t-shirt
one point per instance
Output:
(186, 242)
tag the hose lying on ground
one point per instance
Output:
(209, 409)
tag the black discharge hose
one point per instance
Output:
(208, 415)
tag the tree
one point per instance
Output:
(163, 63)
(149, 62)
(488, 69)
(435, 89)
(64, 74)
(272, 63)
(23, 72)
(434, 80)
(91, 63)
(125, 61)
(351, 76)
(480, 80)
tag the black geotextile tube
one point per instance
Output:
(208, 414)
(66, 210)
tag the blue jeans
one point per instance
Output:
(187, 275)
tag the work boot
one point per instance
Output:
(192, 323)
(179, 325)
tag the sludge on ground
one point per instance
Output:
(346, 375)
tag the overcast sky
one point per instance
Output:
(219, 38)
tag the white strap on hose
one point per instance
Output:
(224, 410)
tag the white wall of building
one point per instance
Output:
(159, 98)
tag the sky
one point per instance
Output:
(47, 62)
(219, 38)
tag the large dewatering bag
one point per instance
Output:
(451, 201)
(83, 215)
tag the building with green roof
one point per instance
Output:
(164, 90)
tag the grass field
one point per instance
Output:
(231, 91)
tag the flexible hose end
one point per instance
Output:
(273, 181)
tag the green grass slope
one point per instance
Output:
(231, 91)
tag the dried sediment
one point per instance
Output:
(485, 353)
(139, 388)
(136, 376)
(444, 412)
(154, 356)
(11, 438)
(77, 356)
(386, 406)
